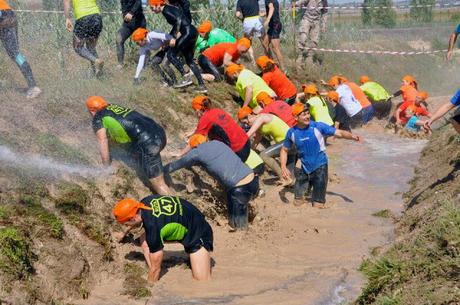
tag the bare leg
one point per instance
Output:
(277, 50)
(201, 264)
(265, 44)
(160, 186)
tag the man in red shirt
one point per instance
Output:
(221, 55)
(420, 110)
(217, 124)
(279, 108)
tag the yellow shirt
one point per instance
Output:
(319, 110)
(253, 160)
(82, 8)
(249, 78)
(276, 129)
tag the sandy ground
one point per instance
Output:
(294, 255)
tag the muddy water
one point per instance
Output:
(298, 255)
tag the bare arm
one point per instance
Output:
(346, 135)
(452, 41)
(283, 161)
(256, 140)
(68, 21)
(440, 112)
(260, 120)
(247, 95)
(103, 142)
(228, 59)
(239, 15)
(271, 10)
(155, 266)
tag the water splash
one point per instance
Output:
(46, 165)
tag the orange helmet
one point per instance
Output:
(263, 61)
(139, 34)
(156, 2)
(205, 27)
(336, 80)
(333, 95)
(199, 102)
(364, 79)
(244, 112)
(264, 97)
(310, 89)
(423, 95)
(244, 42)
(126, 209)
(298, 108)
(96, 103)
(232, 69)
(410, 79)
(196, 140)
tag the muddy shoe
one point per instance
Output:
(201, 89)
(184, 83)
(98, 65)
(33, 92)
(298, 202)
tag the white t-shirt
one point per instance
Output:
(348, 100)
(155, 40)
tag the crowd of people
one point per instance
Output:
(277, 127)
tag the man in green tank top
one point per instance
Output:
(210, 36)
(378, 96)
(88, 26)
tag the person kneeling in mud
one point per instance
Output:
(224, 165)
(153, 41)
(169, 218)
(133, 131)
(414, 124)
(272, 128)
(308, 138)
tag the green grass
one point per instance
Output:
(72, 199)
(16, 256)
(51, 146)
(383, 214)
(134, 284)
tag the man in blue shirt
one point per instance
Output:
(452, 41)
(308, 138)
(454, 102)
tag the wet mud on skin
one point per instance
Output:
(297, 255)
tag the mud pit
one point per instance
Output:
(294, 255)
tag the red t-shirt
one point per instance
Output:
(409, 93)
(281, 110)
(217, 52)
(219, 125)
(279, 82)
(359, 94)
(419, 111)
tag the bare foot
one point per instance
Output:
(318, 205)
(298, 202)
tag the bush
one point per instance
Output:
(15, 254)
(378, 12)
(423, 14)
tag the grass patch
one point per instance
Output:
(16, 256)
(383, 214)
(72, 199)
(53, 147)
(134, 284)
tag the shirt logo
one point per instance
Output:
(122, 111)
(304, 139)
(165, 205)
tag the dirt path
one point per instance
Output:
(297, 255)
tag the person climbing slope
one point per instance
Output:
(318, 107)
(136, 133)
(153, 41)
(378, 96)
(223, 164)
(168, 219)
(88, 26)
(9, 38)
(183, 42)
(279, 108)
(210, 36)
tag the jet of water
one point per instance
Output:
(47, 165)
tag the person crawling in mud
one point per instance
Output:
(169, 219)
(138, 134)
(224, 165)
(414, 124)
(308, 138)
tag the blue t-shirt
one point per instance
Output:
(410, 125)
(455, 100)
(457, 30)
(310, 144)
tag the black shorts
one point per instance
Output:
(88, 27)
(149, 155)
(259, 169)
(244, 152)
(274, 30)
(206, 240)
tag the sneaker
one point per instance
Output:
(98, 65)
(188, 75)
(201, 89)
(33, 92)
(164, 84)
(183, 83)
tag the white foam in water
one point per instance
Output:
(47, 165)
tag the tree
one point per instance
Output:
(366, 13)
(424, 13)
(379, 12)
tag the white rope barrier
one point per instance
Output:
(401, 53)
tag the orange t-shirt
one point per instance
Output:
(359, 94)
(217, 52)
(409, 93)
(4, 5)
(279, 82)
